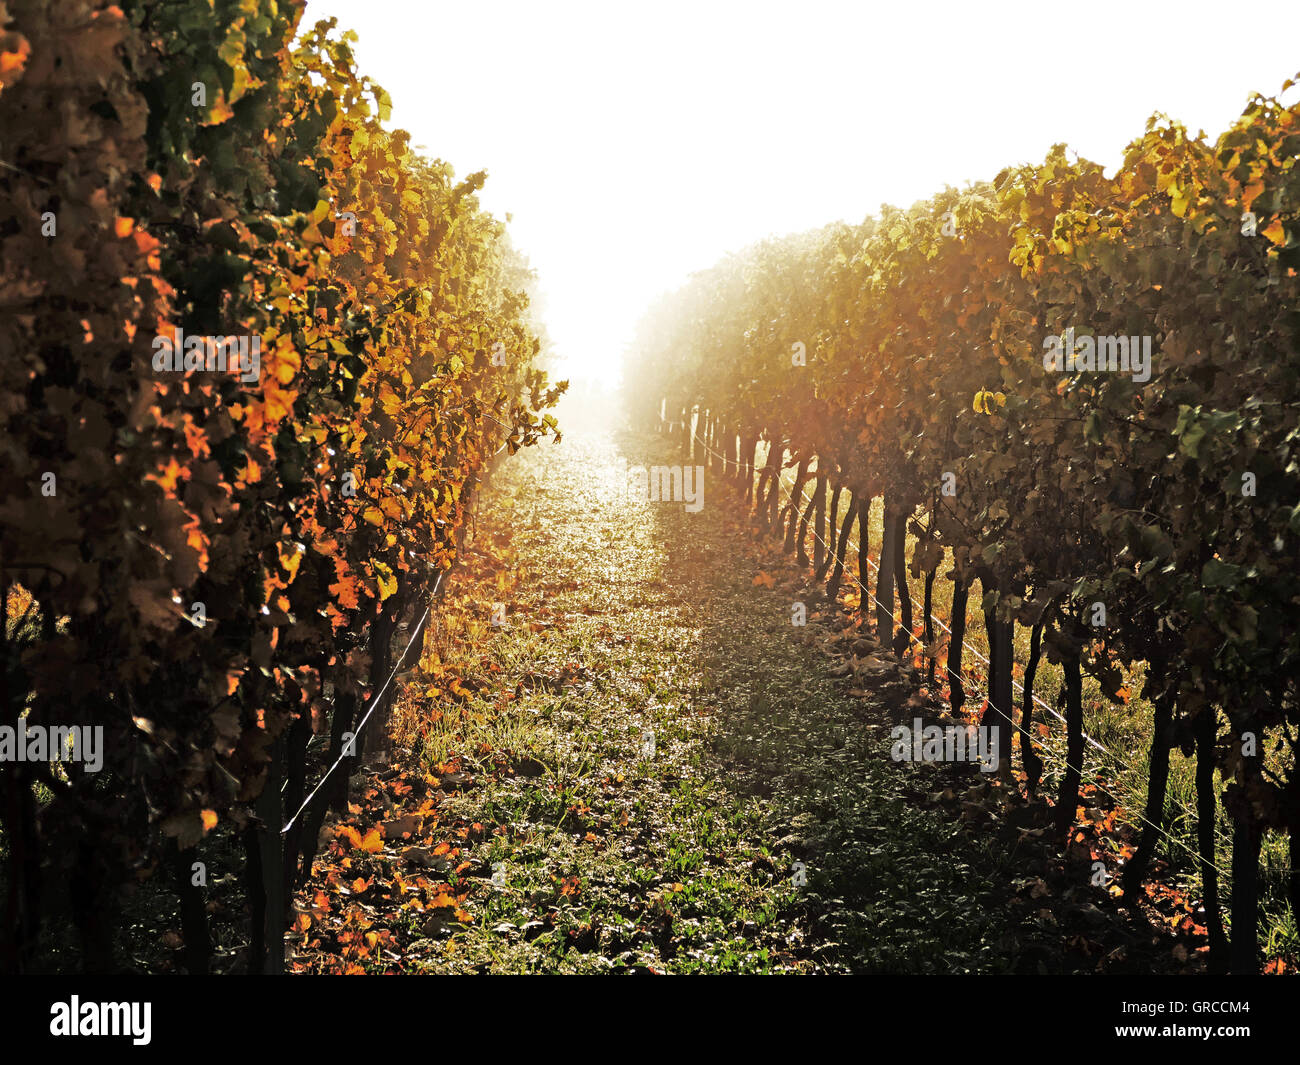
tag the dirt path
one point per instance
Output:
(647, 767)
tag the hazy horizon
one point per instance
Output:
(636, 147)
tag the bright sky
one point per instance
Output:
(634, 143)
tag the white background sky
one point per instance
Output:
(634, 143)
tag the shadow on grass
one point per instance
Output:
(893, 884)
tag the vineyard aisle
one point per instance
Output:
(647, 767)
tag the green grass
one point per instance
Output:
(760, 761)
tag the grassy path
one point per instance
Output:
(647, 767)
